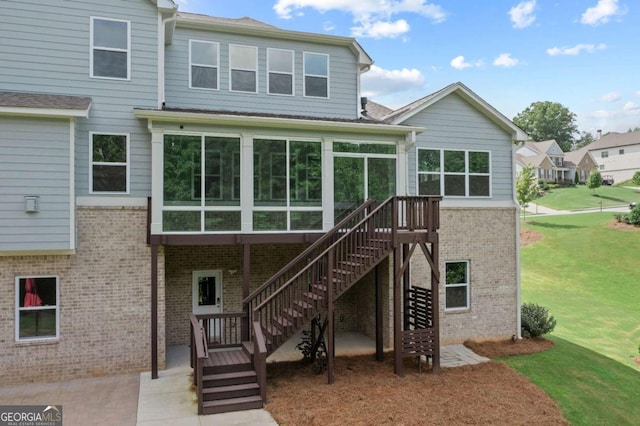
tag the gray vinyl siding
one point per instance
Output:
(343, 77)
(452, 123)
(46, 48)
(34, 160)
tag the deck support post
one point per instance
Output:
(406, 284)
(435, 292)
(330, 319)
(154, 311)
(246, 274)
(379, 317)
(397, 311)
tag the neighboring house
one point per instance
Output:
(164, 164)
(617, 154)
(551, 169)
(581, 162)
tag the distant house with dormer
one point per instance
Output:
(552, 165)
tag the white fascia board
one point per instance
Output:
(275, 122)
(45, 112)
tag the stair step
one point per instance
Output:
(281, 322)
(351, 264)
(292, 313)
(248, 348)
(231, 391)
(271, 332)
(301, 306)
(226, 379)
(320, 287)
(232, 404)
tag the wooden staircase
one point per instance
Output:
(310, 284)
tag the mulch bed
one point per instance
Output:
(366, 392)
(527, 236)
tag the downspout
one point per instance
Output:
(161, 49)
(517, 144)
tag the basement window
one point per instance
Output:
(37, 313)
(456, 285)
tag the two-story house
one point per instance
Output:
(617, 154)
(551, 164)
(158, 164)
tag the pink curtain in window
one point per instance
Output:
(31, 297)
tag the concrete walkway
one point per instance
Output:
(536, 209)
(135, 399)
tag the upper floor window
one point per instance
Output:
(203, 64)
(454, 173)
(316, 75)
(280, 72)
(621, 151)
(36, 308)
(110, 48)
(109, 169)
(601, 166)
(243, 65)
(604, 154)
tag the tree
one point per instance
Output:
(548, 120)
(585, 139)
(594, 181)
(526, 187)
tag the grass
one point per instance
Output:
(590, 388)
(587, 274)
(581, 197)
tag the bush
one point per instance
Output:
(536, 320)
(636, 178)
(631, 218)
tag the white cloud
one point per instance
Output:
(327, 26)
(631, 107)
(380, 82)
(373, 18)
(505, 60)
(638, 93)
(460, 63)
(381, 29)
(522, 14)
(575, 50)
(601, 13)
(610, 97)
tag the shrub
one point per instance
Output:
(536, 320)
(636, 178)
(634, 216)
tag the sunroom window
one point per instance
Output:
(287, 185)
(201, 184)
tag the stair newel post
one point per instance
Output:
(330, 316)
(394, 221)
(397, 314)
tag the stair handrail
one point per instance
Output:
(201, 353)
(305, 254)
(321, 255)
(260, 359)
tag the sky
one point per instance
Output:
(583, 54)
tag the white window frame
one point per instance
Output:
(92, 48)
(604, 154)
(18, 309)
(292, 73)
(601, 166)
(305, 74)
(192, 64)
(127, 164)
(254, 70)
(466, 285)
(466, 173)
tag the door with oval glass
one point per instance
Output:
(207, 298)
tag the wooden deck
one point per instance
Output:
(224, 358)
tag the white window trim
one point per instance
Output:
(466, 173)
(243, 69)
(92, 163)
(217, 67)
(128, 50)
(18, 310)
(467, 285)
(604, 154)
(292, 73)
(304, 75)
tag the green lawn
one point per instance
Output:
(590, 389)
(581, 197)
(588, 275)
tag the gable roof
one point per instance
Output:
(534, 160)
(249, 26)
(44, 104)
(377, 111)
(576, 156)
(543, 147)
(614, 140)
(402, 114)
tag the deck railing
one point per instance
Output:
(222, 330)
(311, 252)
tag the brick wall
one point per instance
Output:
(181, 261)
(486, 238)
(104, 294)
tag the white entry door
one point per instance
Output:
(207, 299)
